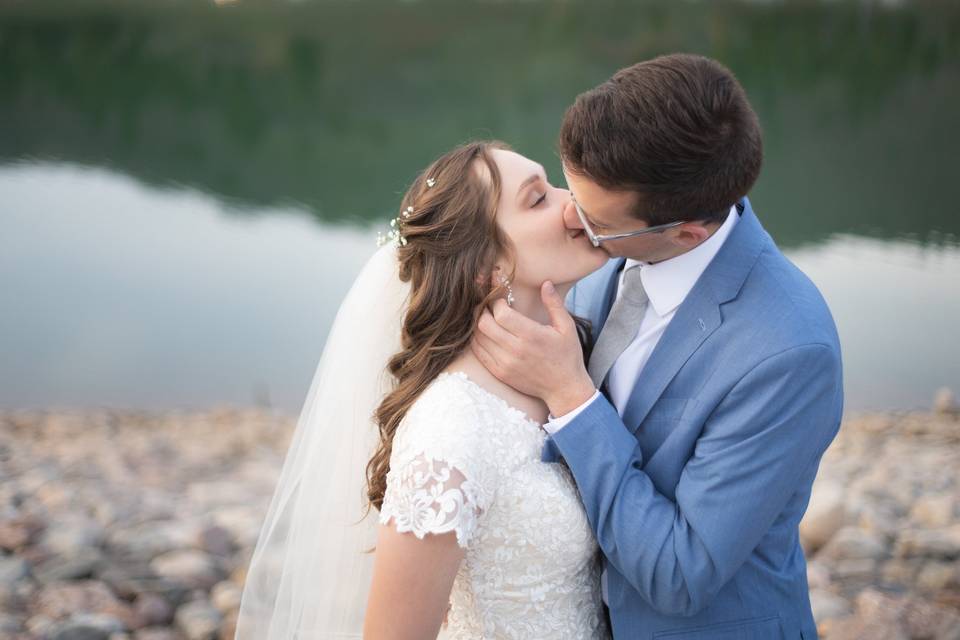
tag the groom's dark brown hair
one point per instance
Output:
(677, 130)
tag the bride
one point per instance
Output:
(413, 500)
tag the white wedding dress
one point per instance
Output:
(465, 461)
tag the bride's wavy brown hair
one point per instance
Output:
(452, 242)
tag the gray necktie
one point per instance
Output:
(621, 326)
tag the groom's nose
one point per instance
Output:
(570, 218)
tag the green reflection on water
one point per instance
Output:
(336, 106)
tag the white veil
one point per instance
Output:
(309, 576)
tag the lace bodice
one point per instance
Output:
(465, 461)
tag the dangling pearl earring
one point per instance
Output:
(505, 282)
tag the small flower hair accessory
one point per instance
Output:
(395, 235)
(430, 182)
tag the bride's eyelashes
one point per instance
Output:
(542, 198)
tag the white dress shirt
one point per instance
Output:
(667, 285)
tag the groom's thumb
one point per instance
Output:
(554, 304)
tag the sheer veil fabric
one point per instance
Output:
(309, 575)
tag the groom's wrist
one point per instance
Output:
(570, 397)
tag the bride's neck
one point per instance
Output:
(529, 303)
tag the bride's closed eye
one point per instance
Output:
(543, 198)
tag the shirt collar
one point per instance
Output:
(668, 283)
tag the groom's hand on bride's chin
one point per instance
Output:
(545, 361)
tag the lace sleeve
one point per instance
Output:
(430, 495)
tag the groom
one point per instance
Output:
(714, 385)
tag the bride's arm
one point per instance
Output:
(439, 487)
(412, 579)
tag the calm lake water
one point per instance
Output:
(187, 191)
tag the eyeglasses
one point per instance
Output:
(595, 239)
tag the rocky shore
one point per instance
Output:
(136, 526)
(882, 532)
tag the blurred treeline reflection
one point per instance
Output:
(335, 106)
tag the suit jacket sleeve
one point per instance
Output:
(768, 432)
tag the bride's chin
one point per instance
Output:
(566, 282)
(594, 259)
(581, 250)
(596, 254)
(584, 260)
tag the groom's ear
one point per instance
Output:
(691, 234)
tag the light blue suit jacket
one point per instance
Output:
(696, 493)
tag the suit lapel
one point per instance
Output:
(698, 316)
(693, 323)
